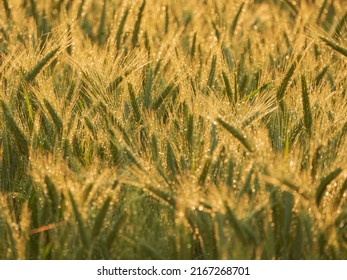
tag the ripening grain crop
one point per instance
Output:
(162, 129)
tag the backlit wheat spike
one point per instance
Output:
(134, 104)
(236, 19)
(236, 133)
(34, 11)
(193, 47)
(204, 172)
(285, 82)
(80, 222)
(7, 9)
(306, 106)
(53, 194)
(324, 184)
(121, 28)
(22, 142)
(321, 11)
(228, 88)
(339, 27)
(31, 75)
(99, 219)
(210, 80)
(80, 8)
(167, 20)
(54, 115)
(334, 46)
(101, 29)
(163, 95)
(113, 233)
(137, 24)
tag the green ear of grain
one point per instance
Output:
(204, 172)
(171, 160)
(321, 11)
(288, 204)
(113, 85)
(192, 49)
(339, 27)
(283, 87)
(52, 193)
(320, 76)
(11, 124)
(80, 223)
(54, 115)
(132, 159)
(334, 46)
(31, 75)
(294, 9)
(154, 148)
(34, 11)
(341, 193)
(28, 104)
(121, 28)
(149, 250)
(101, 29)
(306, 106)
(167, 19)
(99, 219)
(247, 185)
(162, 195)
(235, 224)
(236, 20)
(162, 96)
(115, 229)
(138, 24)
(190, 132)
(228, 88)
(211, 75)
(7, 9)
(213, 136)
(237, 134)
(90, 126)
(148, 89)
(324, 184)
(80, 9)
(134, 104)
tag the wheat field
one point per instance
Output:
(171, 129)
